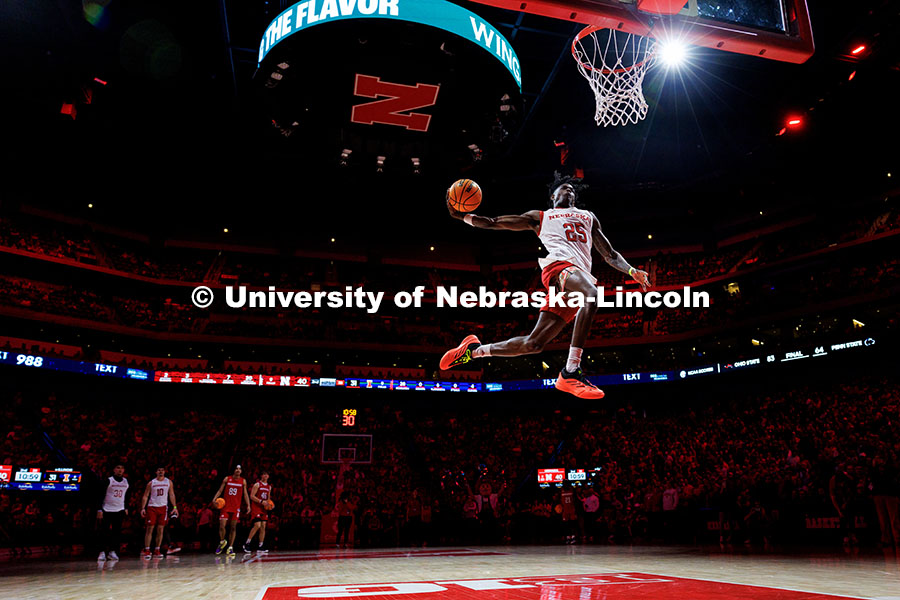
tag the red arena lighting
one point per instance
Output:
(856, 51)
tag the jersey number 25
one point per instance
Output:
(575, 232)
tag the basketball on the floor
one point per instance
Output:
(219, 503)
(464, 195)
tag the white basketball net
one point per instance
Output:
(614, 63)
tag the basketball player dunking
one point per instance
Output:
(155, 509)
(568, 234)
(232, 490)
(260, 492)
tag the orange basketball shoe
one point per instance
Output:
(575, 383)
(460, 355)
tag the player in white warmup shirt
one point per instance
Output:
(569, 234)
(111, 513)
(155, 509)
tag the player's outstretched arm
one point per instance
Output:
(529, 221)
(613, 258)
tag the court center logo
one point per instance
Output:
(555, 587)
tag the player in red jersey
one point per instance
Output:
(155, 509)
(233, 490)
(259, 515)
(569, 234)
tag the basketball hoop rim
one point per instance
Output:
(630, 27)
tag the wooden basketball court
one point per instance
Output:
(495, 573)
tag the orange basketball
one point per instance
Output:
(464, 195)
(219, 503)
(268, 505)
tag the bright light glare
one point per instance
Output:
(672, 53)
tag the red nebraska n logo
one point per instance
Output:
(397, 101)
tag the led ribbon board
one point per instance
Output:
(435, 13)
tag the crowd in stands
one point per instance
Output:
(788, 243)
(686, 268)
(36, 237)
(138, 258)
(52, 298)
(746, 467)
(43, 236)
(780, 452)
(190, 444)
(784, 293)
(161, 315)
(756, 298)
(748, 302)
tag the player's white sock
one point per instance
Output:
(481, 351)
(574, 359)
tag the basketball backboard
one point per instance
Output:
(771, 29)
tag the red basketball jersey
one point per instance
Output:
(263, 492)
(234, 493)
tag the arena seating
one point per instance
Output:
(790, 446)
(761, 268)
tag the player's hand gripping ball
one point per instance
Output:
(464, 196)
(219, 503)
(268, 504)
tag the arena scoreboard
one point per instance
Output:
(264, 380)
(551, 475)
(678, 373)
(35, 361)
(576, 477)
(62, 479)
